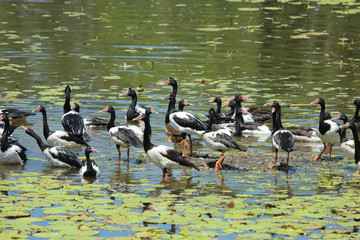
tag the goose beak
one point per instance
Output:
(337, 117)
(167, 97)
(186, 103)
(267, 104)
(166, 82)
(94, 150)
(124, 94)
(315, 102)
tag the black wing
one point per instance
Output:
(73, 122)
(98, 122)
(11, 128)
(131, 114)
(127, 136)
(64, 155)
(15, 113)
(250, 126)
(22, 153)
(285, 140)
(175, 156)
(70, 137)
(228, 141)
(190, 122)
(302, 130)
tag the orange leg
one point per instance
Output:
(119, 153)
(128, 157)
(331, 146)
(128, 154)
(287, 163)
(357, 172)
(191, 146)
(276, 158)
(165, 175)
(318, 158)
(184, 150)
(218, 164)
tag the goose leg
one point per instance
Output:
(191, 146)
(119, 153)
(165, 174)
(218, 164)
(184, 150)
(318, 158)
(276, 158)
(128, 156)
(183, 135)
(357, 172)
(331, 146)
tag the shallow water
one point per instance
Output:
(289, 52)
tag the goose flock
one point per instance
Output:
(219, 132)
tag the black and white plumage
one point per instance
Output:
(162, 156)
(247, 128)
(347, 145)
(90, 122)
(219, 140)
(304, 133)
(72, 121)
(134, 109)
(183, 122)
(356, 150)
(10, 129)
(57, 156)
(307, 134)
(327, 131)
(259, 115)
(123, 135)
(187, 124)
(171, 108)
(16, 113)
(89, 169)
(58, 138)
(282, 139)
(11, 153)
(232, 112)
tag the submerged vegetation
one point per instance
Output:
(45, 206)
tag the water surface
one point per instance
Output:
(291, 52)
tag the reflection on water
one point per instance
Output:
(102, 48)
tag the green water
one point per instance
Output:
(287, 51)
